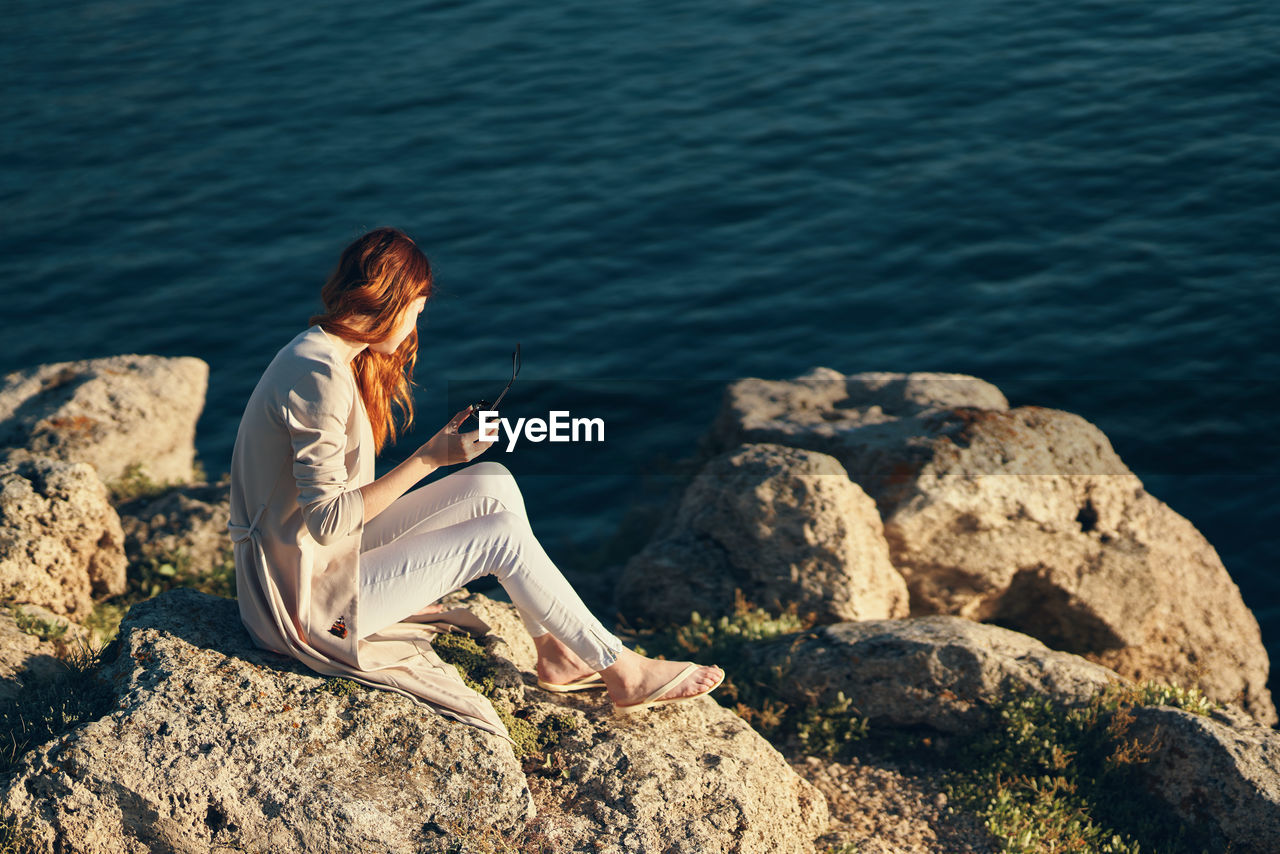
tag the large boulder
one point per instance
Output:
(1071, 550)
(61, 545)
(211, 743)
(1222, 770)
(940, 672)
(115, 413)
(687, 778)
(185, 523)
(783, 525)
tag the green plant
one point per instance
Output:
(1046, 777)
(47, 708)
(104, 621)
(154, 575)
(828, 729)
(13, 840)
(158, 573)
(479, 672)
(135, 482)
(341, 687)
(831, 729)
(42, 628)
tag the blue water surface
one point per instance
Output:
(1076, 202)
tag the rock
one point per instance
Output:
(1222, 770)
(186, 523)
(938, 671)
(1074, 551)
(690, 777)
(868, 421)
(112, 413)
(784, 526)
(213, 743)
(33, 642)
(684, 779)
(61, 543)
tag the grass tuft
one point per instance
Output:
(46, 709)
(44, 629)
(478, 670)
(153, 576)
(1046, 777)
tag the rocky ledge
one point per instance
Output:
(904, 627)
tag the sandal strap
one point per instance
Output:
(689, 668)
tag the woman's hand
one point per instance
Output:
(449, 447)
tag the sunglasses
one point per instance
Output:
(486, 405)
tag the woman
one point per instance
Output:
(339, 569)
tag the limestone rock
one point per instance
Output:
(111, 413)
(688, 778)
(1072, 550)
(212, 743)
(188, 521)
(784, 526)
(1222, 770)
(61, 543)
(684, 779)
(936, 671)
(868, 421)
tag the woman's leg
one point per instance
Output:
(453, 532)
(398, 578)
(469, 493)
(476, 490)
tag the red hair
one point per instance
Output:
(378, 276)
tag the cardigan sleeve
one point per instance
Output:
(316, 414)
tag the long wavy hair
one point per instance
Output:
(378, 276)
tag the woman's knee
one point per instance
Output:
(511, 530)
(501, 484)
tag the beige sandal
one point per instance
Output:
(591, 680)
(651, 701)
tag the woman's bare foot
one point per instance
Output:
(633, 677)
(556, 662)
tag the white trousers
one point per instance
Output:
(434, 539)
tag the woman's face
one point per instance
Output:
(407, 323)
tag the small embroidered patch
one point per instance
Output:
(339, 627)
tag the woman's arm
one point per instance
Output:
(380, 494)
(316, 417)
(315, 413)
(444, 448)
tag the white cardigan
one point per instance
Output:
(303, 450)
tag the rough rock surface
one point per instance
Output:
(188, 521)
(111, 413)
(61, 543)
(33, 643)
(924, 671)
(1072, 551)
(1222, 770)
(212, 743)
(890, 807)
(683, 779)
(783, 525)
